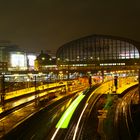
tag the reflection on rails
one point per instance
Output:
(31, 97)
(86, 115)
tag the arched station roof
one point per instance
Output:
(99, 48)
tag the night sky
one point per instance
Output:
(37, 25)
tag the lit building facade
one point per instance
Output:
(45, 62)
(12, 58)
(5, 48)
(99, 52)
(21, 61)
(31, 60)
(18, 61)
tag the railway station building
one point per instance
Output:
(99, 53)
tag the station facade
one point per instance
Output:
(99, 52)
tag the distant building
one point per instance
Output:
(31, 57)
(3, 66)
(5, 48)
(12, 58)
(99, 52)
(44, 62)
(18, 61)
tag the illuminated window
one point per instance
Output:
(43, 58)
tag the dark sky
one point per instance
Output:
(47, 24)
